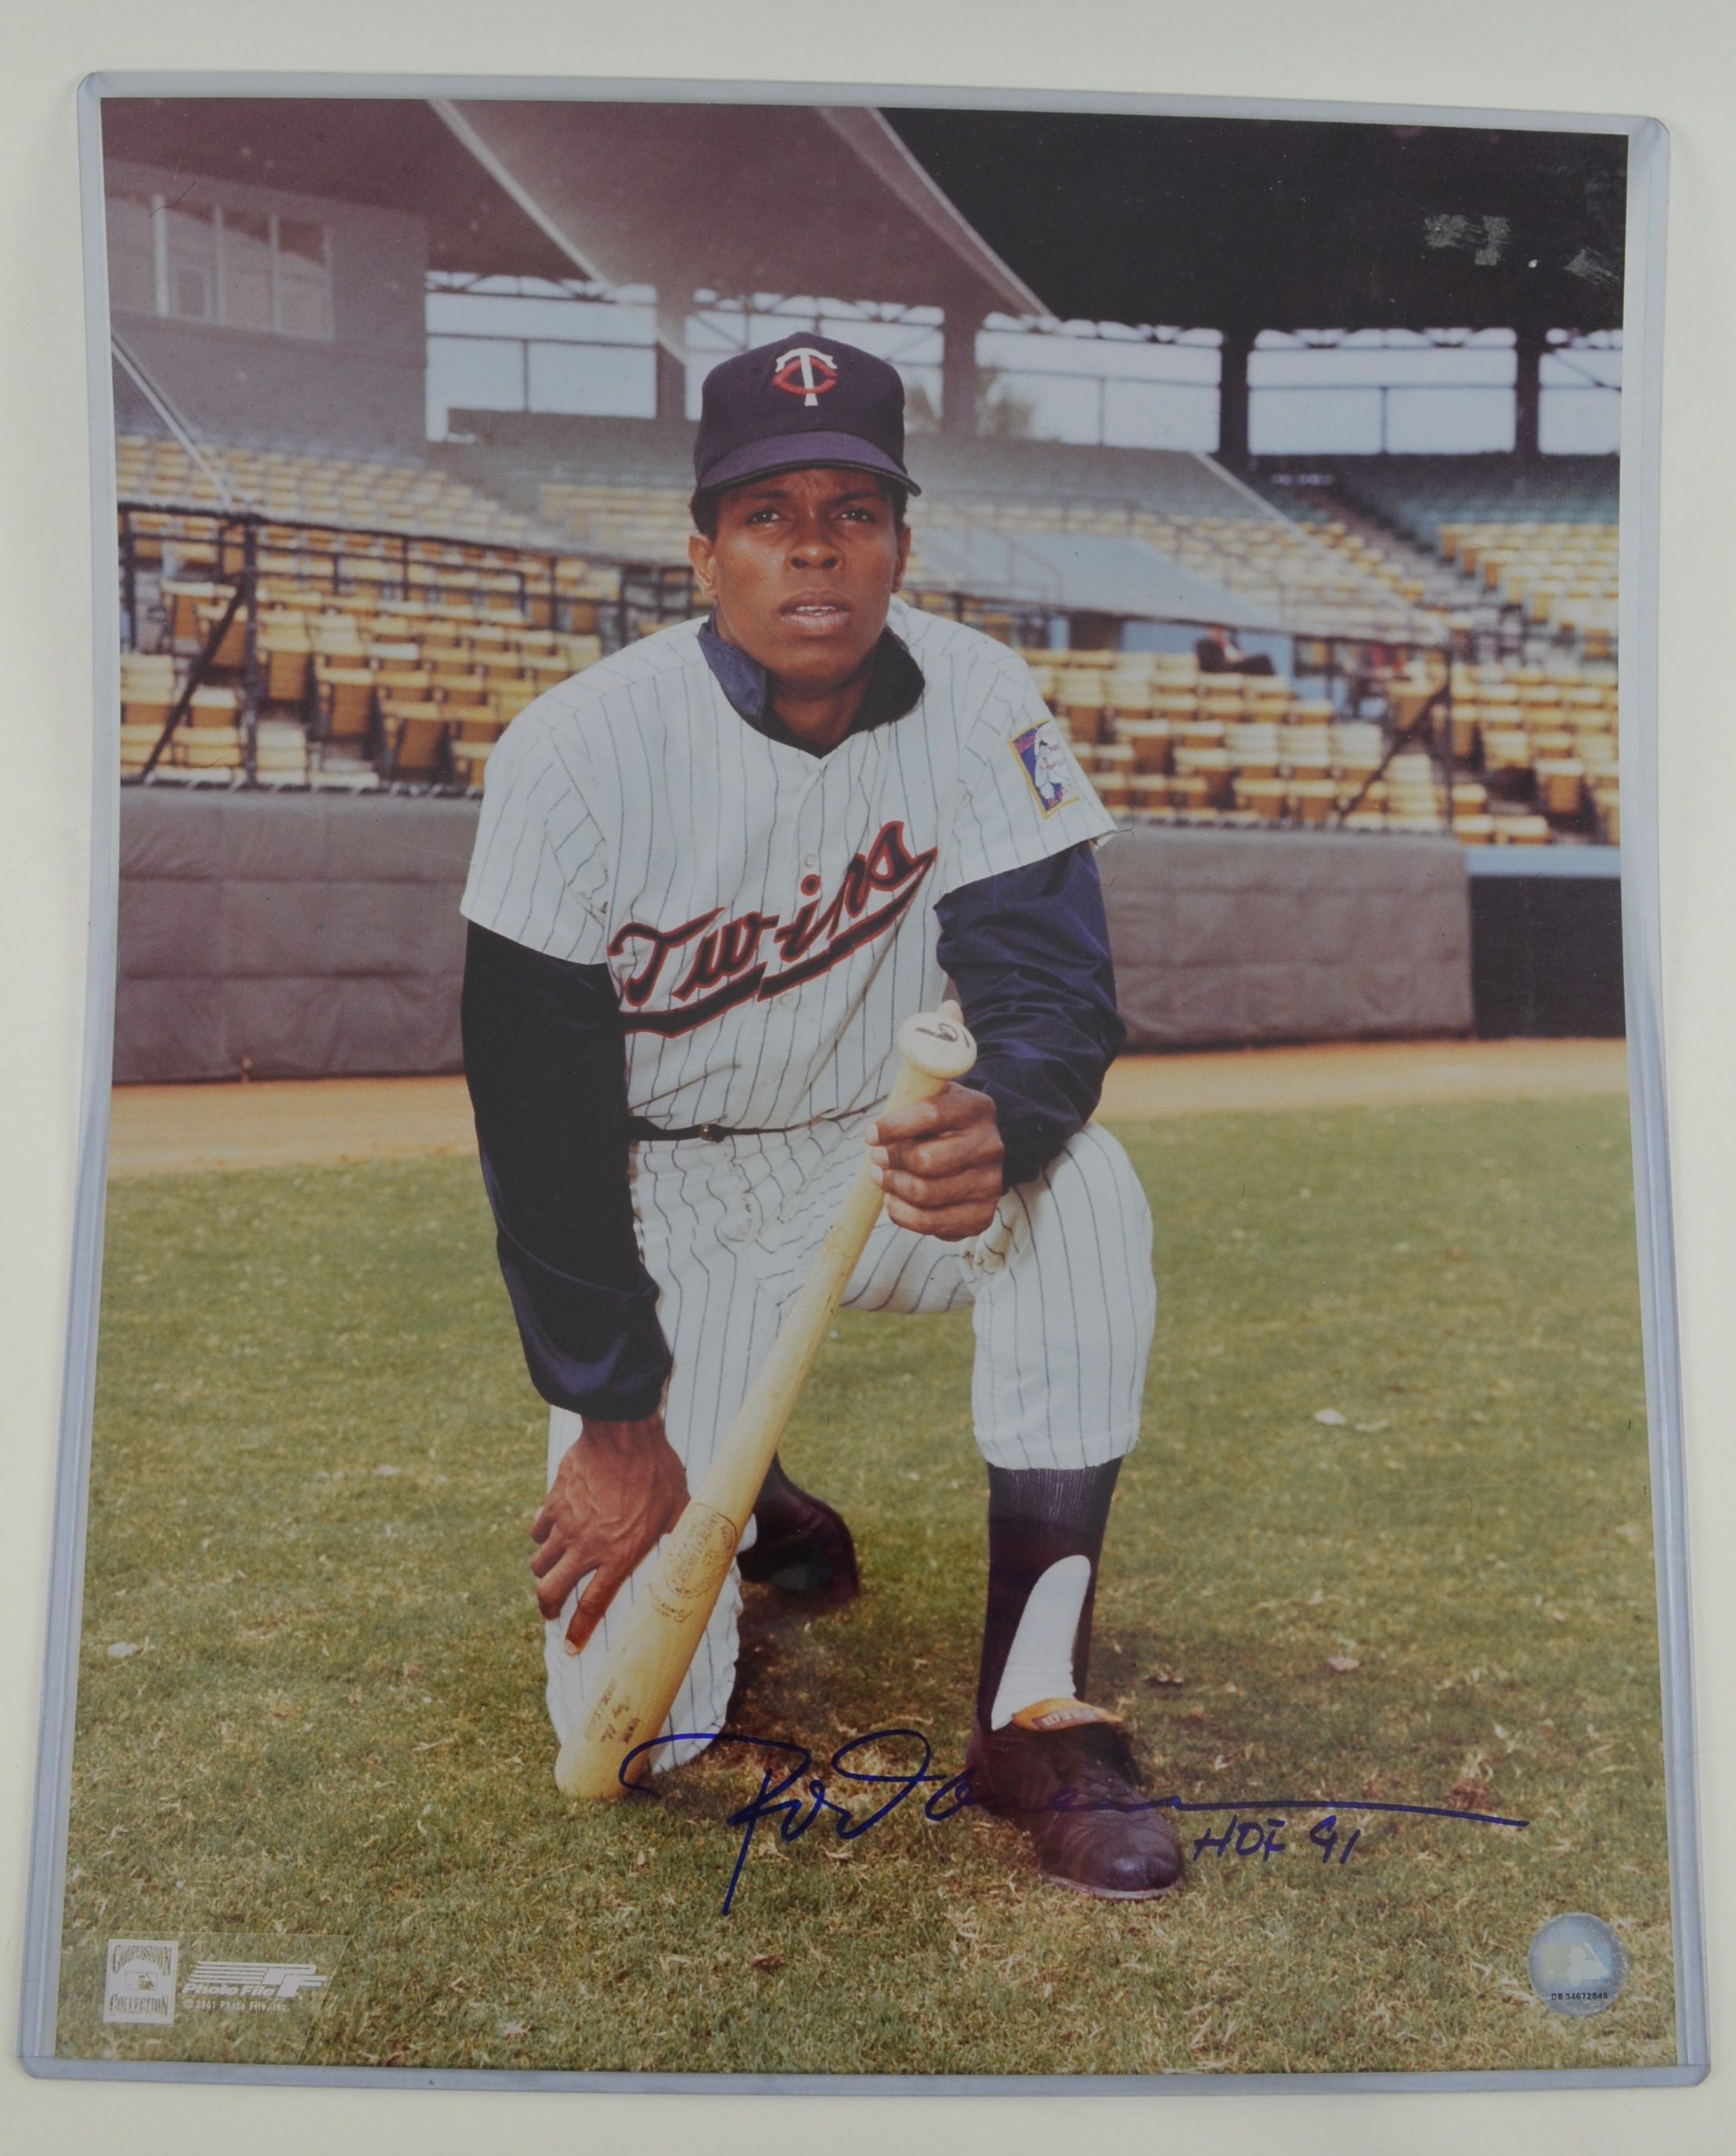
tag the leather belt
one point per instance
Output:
(638, 1129)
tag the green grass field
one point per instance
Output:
(317, 1449)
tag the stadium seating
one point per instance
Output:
(1481, 534)
(421, 695)
(1417, 494)
(1269, 559)
(1563, 575)
(319, 489)
(1348, 587)
(377, 656)
(1333, 572)
(1533, 749)
(638, 523)
(400, 659)
(351, 695)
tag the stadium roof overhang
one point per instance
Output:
(1251, 225)
(732, 198)
(1233, 224)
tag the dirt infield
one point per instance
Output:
(167, 1130)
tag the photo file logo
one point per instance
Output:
(281, 1982)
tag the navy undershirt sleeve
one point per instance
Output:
(1027, 951)
(544, 1061)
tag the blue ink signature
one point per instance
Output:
(806, 1807)
(797, 1809)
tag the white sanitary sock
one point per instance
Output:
(1040, 1662)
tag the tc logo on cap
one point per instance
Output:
(753, 420)
(806, 371)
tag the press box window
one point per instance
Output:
(244, 268)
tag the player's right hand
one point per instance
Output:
(618, 1490)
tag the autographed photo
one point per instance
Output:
(867, 1296)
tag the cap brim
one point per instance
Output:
(792, 452)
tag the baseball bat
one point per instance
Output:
(651, 1654)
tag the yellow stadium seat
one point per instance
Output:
(470, 759)
(414, 737)
(459, 690)
(345, 697)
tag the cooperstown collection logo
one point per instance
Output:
(726, 961)
(140, 1984)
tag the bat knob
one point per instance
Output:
(937, 1045)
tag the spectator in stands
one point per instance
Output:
(1370, 689)
(1218, 653)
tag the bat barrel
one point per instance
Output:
(673, 1605)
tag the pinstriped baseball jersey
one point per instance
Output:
(767, 915)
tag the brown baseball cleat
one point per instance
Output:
(1061, 1771)
(802, 1547)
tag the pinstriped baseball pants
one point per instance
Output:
(1060, 1283)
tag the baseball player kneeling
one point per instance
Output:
(712, 874)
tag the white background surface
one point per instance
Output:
(1673, 59)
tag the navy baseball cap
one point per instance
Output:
(805, 400)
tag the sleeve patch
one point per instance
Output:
(1047, 768)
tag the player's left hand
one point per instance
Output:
(939, 1163)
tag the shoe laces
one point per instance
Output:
(1100, 1767)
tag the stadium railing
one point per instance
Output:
(318, 654)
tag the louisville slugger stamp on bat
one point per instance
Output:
(651, 1656)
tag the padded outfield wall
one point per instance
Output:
(308, 935)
